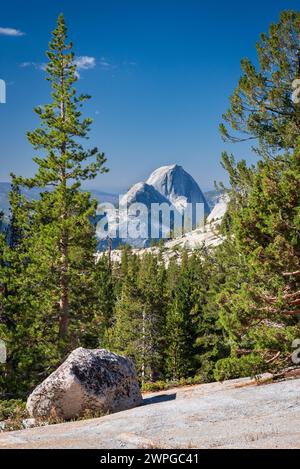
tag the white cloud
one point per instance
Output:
(82, 62)
(131, 63)
(11, 32)
(106, 65)
(85, 62)
(36, 65)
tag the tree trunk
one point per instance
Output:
(143, 347)
(64, 285)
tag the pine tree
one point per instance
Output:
(262, 109)
(177, 342)
(151, 282)
(55, 301)
(13, 297)
(3, 280)
(106, 294)
(182, 319)
(126, 335)
(140, 315)
(18, 216)
(259, 300)
(176, 328)
(260, 311)
(64, 213)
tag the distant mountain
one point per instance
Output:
(212, 197)
(4, 190)
(34, 194)
(139, 193)
(208, 236)
(4, 195)
(170, 185)
(144, 193)
(102, 197)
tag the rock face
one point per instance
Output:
(89, 380)
(178, 186)
(208, 236)
(219, 209)
(143, 193)
(169, 185)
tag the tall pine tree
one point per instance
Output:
(53, 239)
(260, 308)
(64, 213)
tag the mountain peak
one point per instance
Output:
(163, 170)
(144, 193)
(170, 185)
(174, 183)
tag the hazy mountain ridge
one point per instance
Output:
(34, 194)
(170, 185)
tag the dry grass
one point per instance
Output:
(251, 437)
(257, 381)
(161, 445)
(13, 414)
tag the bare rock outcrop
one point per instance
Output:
(89, 380)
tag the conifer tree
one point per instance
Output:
(259, 300)
(152, 283)
(182, 319)
(262, 108)
(2, 278)
(62, 215)
(176, 327)
(140, 315)
(13, 297)
(105, 292)
(260, 310)
(127, 332)
(55, 302)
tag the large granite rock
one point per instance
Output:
(89, 380)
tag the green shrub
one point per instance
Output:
(164, 385)
(12, 409)
(231, 368)
(13, 412)
(155, 386)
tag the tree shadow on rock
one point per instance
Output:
(159, 398)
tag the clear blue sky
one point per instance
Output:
(160, 73)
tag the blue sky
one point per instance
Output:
(160, 73)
